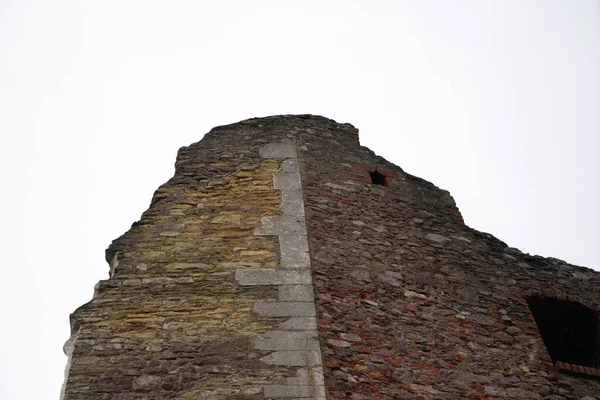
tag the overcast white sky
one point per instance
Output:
(496, 101)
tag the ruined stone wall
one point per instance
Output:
(191, 309)
(412, 303)
(212, 293)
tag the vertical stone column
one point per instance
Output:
(295, 343)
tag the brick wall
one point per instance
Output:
(412, 303)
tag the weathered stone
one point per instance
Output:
(518, 393)
(294, 251)
(284, 391)
(286, 309)
(236, 220)
(285, 340)
(494, 391)
(309, 376)
(513, 330)
(296, 293)
(282, 225)
(293, 358)
(283, 149)
(253, 277)
(288, 182)
(410, 294)
(300, 324)
(254, 255)
(434, 237)
(351, 337)
(338, 343)
(291, 203)
(339, 187)
(176, 266)
(146, 382)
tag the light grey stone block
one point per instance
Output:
(283, 333)
(287, 340)
(290, 165)
(339, 187)
(307, 376)
(284, 149)
(306, 398)
(292, 203)
(284, 391)
(300, 324)
(434, 237)
(296, 293)
(308, 358)
(287, 181)
(294, 242)
(296, 344)
(271, 276)
(282, 225)
(286, 309)
(294, 251)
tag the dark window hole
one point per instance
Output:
(570, 330)
(378, 178)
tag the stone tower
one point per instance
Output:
(285, 261)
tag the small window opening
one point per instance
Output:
(378, 178)
(570, 331)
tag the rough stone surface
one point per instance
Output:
(294, 358)
(172, 322)
(270, 276)
(271, 267)
(439, 308)
(300, 324)
(292, 347)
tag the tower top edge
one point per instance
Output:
(291, 118)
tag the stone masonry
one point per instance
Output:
(285, 261)
(295, 342)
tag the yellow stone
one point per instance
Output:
(188, 266)
(170, 233)
(229, 234)
(257, 253)
(233, 219)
